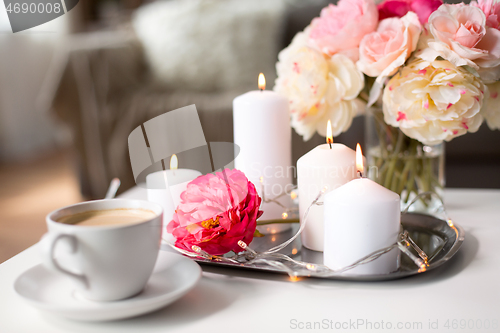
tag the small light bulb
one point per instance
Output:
(422, 268)
(284, 216)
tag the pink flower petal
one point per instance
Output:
(216, 211)
(401, 116)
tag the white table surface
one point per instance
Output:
(466, 288)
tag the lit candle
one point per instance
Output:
(165, 187)
(261, 124)
(330, 164)
(361, 217)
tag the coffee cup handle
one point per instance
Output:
(48, 245)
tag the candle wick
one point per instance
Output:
(330, 143)
(261, 89)
(360, 174)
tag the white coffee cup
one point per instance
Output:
(107, 262)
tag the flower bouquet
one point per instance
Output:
(425, 70)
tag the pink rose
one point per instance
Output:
(491, 10)
(463, 38)
(216, 211)
(399, 8)
(340, 28)
(490, 69)
(382, 52)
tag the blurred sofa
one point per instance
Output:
(104, 85)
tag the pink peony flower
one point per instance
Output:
(461, 37)
(399, 8)
(340, 28)
(216, 211)
(382, 52)
(491, 10)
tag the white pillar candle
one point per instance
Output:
(331, 165)
(169, 196)
(361, 217)
(262, 131)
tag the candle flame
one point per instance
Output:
(262, 82)
(359, 159)
(329, 136)
(174, 162)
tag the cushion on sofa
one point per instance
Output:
(211, 44)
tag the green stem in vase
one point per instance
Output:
(379, 126)
(277, 221)
(395, 180)
(411, 179)
(393, 160)
(403, 180)
(428, 178)
(404, 165)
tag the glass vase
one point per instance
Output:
(404, 165)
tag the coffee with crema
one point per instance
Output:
(122, 216)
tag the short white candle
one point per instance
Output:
(262, 131)
(169, 196)
(361, 217)
(330, 165)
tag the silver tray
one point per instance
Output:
(434, 236)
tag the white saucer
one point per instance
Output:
(173, 276)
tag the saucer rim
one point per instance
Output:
(152, 304)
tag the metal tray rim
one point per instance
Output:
(453, 245)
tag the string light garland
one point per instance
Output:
(295, 268)
(289, 215)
